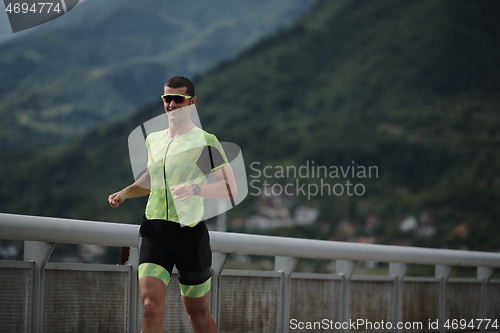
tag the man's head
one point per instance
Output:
(178, 92)
(181, 82)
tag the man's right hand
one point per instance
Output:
(132, 191)
(116, 199)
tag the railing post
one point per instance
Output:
(484, 274)
(39, 252)
(443, 273)
(218, 262)
(345, 268)
(287, 266)
(398, 271)
(133, 261)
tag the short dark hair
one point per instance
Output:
(180, 82)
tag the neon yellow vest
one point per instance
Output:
(173, 162)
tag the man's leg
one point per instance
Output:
(194, 268)
(153, 292)
(199, 315)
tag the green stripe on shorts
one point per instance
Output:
(150, 269)
(198, 290)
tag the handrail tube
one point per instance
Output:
(320, 249)
(59, 230)
(35, 228)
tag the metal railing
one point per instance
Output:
(42, 233)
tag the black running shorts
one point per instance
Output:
(166, 243)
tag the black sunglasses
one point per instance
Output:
(178, 99)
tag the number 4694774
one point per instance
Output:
(35, 8)
(472, 324)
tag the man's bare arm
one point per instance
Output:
(138, 189)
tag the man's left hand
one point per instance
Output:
(182, 192)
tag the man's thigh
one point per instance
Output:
(196, 304)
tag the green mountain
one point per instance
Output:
(106, 58)
(410, 88)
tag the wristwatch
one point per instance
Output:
(196, 189)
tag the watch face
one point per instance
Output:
(196, 189)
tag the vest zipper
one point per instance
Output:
(164, 163)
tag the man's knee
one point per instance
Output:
(152, 308)
(198, 314)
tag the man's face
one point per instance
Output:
(177, 116)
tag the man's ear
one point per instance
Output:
(193, 100)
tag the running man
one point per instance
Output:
(173, 233)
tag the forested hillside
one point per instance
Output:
(409, 87)
(106, 58)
